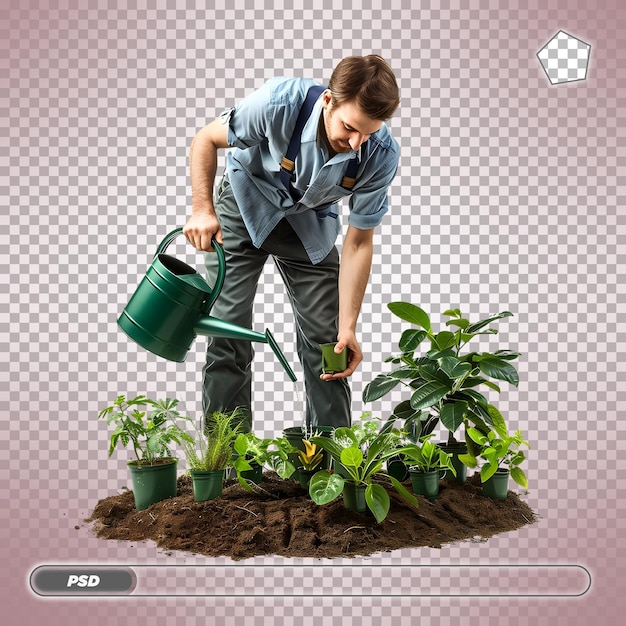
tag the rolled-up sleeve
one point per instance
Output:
(370, 200)
(248, 120)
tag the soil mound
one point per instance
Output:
(279, 518)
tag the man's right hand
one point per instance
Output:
(200, 229)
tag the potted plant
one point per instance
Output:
(253, 453)
(361, 450)
(310, 459)
(296, 435)
(426, 461)
(210, 453)
(151, 433)
(502, 458)
(444, 380)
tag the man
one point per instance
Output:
(257, 214)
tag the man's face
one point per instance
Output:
(347, 127)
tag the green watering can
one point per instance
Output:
(171, 305)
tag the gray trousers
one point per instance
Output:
(314, 296)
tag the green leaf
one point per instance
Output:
(444, 340)
(436, 355)
(452, 414)
(498, 368)
(381, 385)
(428, 395)
(474, 381)
(351, 457)
(379, 444)
(507, 355)
(325, 487)
(404, 411)
(473, 328)
(466, 337)
(377, 500)
(432, 372)
(474, 396)
(453, 313)
(410, 313)
(405, 373)
(344, 434)
(284, 468)
(332, 447)
(453, 367)
(475, 435)
(468, 459)
(402, 490)
(497, 421)
(487, 471)
(411, 339)
(517, 474)
(461, 323)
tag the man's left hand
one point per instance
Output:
(355, 356)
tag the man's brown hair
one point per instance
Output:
(368, 82)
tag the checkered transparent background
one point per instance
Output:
(510, 195)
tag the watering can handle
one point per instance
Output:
(221, 260)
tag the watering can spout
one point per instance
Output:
(210, 326)
(171, 305)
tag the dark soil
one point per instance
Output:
(279, 518)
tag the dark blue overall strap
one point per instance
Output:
(288, 162)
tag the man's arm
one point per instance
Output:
(203, 224)
(354, 272)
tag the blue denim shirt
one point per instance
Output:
(259, 130)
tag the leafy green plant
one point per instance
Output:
(428, 457)
(212, 446)
(311, 456)
(151, 433)
(496, 452)
(361, 449)
(264, 452)
(444, 380)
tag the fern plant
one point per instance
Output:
(212, 447)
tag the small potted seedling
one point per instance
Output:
(252, 454)
(501, 457)
(150, 427)
(360, 450)
(310, 459)
(210, 453)
(425, 463)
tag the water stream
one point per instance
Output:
(300, 405)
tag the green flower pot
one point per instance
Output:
(331, 362)
(207, 484)
(305, 476)
(461, 469)
(354, 497)
(497, 487)
(295, 434)
(397, 468)
(153, 483)
(425, 483)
